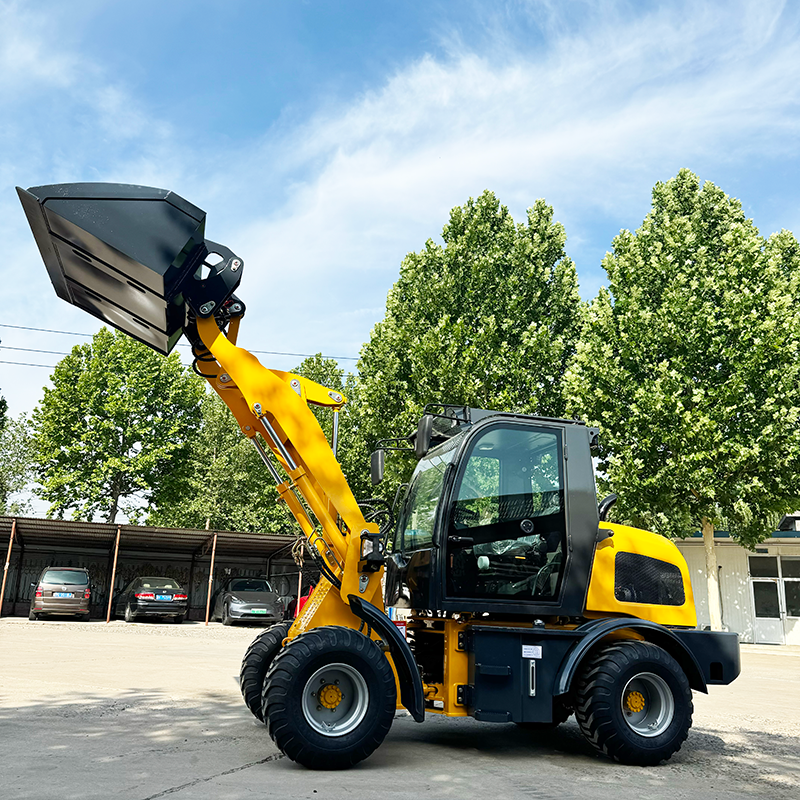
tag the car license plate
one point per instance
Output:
(63, 594)
(163, 597)
(259, 610)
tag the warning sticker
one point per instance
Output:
(531, 651)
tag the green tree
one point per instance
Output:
(225, 486)
(490, 319)
(689, 365)
(15, 465)
(112, 434)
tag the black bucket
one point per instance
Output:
(133, 256)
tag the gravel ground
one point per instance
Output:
(150, 710)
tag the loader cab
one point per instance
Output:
(500, 516)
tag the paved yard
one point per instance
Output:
(144, 711)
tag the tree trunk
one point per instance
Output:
(712, 576)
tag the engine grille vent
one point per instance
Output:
(642, 579)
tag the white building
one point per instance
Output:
(759, 591)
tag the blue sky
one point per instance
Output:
(328, 139)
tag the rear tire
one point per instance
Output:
(329, 698)
(179, 619)
(256, 663)
(33, 616)
(84, 617)
(129, 615)
(633, 703)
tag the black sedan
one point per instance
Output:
(247, 599)
(151, 597)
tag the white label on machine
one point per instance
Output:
(531, 651)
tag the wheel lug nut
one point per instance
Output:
(319, 708)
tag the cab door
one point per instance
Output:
(506, 527)
(411, 561)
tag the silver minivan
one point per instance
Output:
(61, 590)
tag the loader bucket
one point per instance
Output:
(133, 256)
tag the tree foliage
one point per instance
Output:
(225, 486)
(15, 465)
(489, 319)
(113, 433)
(689, 365)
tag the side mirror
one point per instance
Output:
(423, 441)
(605, 506)
(377, 465)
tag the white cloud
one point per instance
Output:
(588, 113)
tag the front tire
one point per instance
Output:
(129, 615)
(633, 703)
(226, 616)
(257, 661)
(329, 698)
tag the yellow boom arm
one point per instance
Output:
(275, 406)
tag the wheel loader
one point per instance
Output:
(524, 604)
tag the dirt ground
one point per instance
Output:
(148, 710)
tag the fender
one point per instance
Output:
(411, 694)
(597, 629)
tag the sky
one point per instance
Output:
(326, 140)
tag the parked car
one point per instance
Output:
(247, 599)
(152, 597)
(61, 590)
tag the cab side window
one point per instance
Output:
(507, 523)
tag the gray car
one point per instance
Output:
(247, 599)
(61, 590)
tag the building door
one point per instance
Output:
(790, 584)
(766, 588)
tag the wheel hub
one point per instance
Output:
(634, 702)
(648, 706)
(330, 696)
(335, 699)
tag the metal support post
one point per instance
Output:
(211, 576)
(189, 587)
(8, 562)
(17, 582)
(113, 576)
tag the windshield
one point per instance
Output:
(415, 526)
(249, 585)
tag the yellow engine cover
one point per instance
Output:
(609, 596)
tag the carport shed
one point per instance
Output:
(119, 553)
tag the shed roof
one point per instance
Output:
(60, 533)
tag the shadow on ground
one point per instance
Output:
(145, 745)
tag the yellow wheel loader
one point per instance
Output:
(524, 604)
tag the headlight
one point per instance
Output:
(235, 599)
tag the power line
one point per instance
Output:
(30, 350)
(21, 364)
(181, 344)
